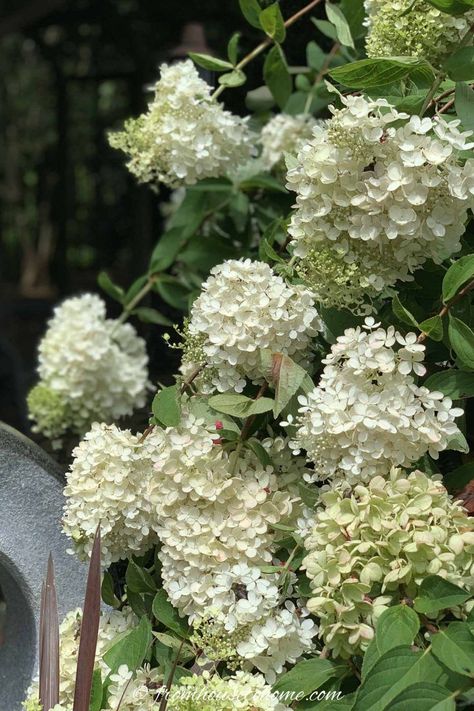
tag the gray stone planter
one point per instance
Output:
(31, 502)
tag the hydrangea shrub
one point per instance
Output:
(292, 526)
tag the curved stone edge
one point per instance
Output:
(31, 501)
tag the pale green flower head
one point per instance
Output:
(374, 544)
(48, 410)
(413, 29)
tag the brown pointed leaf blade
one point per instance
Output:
(89, 631)
(49, 642)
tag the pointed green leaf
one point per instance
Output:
(166, 406)
(457, 275)
(308, 675)
(465, 105)
(240, 405)
(435, 594)
(454, 647)
(460, 65)
(233, 47)
(402, 313)
(251, 11)
(138, 579)
(212, 63)
(462, 340)
(338, 19)
(373, 73)
(273, 23)
(423, 696)
(433, 327)
(168, 615)
(277, 76)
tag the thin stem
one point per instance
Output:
(267, 42)
(164, 700)
(136, 300)
(430, 95)
(246, 429)
(446, 308)
(286, 567)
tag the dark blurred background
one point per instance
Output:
(72, 70)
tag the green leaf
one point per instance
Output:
(456, 384)
(138, 579)
(147, 315)
(164, 611)
(462, 340)
(465, 105)
(354, 11)
(452, 7)
(308, 675)
(457, 275)
(338, 19)
(315, 56)
(234, 78)
(186, 652)
(327, 28)
(262, 180)
(240, 405)
(394, 672)
(233, 47)
(454, 647)
(129, 648)
(212, 63)
(259, 451)
(97, 691)
(173, 292)
(435, 594)
(433, 327)
(396, 626)
(166, 406)
(251, 11)
(107, 285)
(273, 23)
(108, 592)
(277, 76)
(372, 73)
(287, 377)
(423, 696)
(402, 313)
(181, 226)
(458, 443)
(460, 65)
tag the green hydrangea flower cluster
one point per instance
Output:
(413, 28)
(373, 545)
(49, 411)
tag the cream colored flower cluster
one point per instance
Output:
(373, 545)
(367, 414)
(107, 484)
(90, 367)
(378, 193)
(142, 692)
(284, 134)
(184, 136)
(244, 307)
(111, 625)
(215, 513)
(413, 28)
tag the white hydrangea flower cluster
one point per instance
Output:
(413, 28)
(185, 136)
(107, 484)
(379, 192)
(90, 367)
(374, 544)
(134, 691)
(142, 691)
(367, 414)
(112, 624)
(244, 307)
(284, 134)
(240, 692)
(215, 513)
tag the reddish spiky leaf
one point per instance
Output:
(49, 642)
(89, 631)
